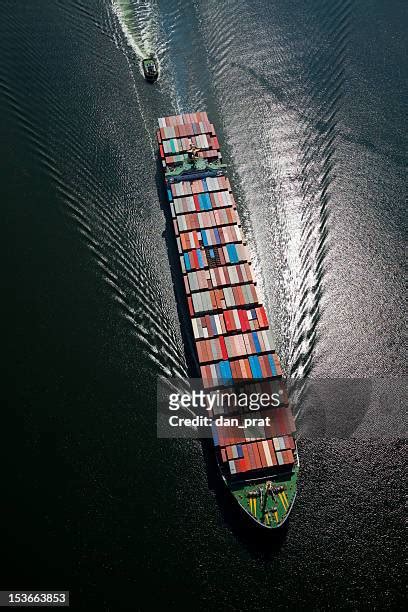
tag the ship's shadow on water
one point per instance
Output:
(260, 542)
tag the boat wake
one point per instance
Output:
(322, 102)
(137, 22)
(111, 221)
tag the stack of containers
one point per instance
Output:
(218, 277)
(200, 258)
(281, 426)
(234, 320)
(175, 133)
(232, 346)
(228, 408)
(221, 299)
(230, 326)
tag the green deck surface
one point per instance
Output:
(187, 166)
(270, 510)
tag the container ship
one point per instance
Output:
(233, 342)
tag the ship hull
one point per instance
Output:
(233, 342)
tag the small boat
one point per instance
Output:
(150, 69)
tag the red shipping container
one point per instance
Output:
(251, 344)
(204, 374)
(241, 274)
(243, 317)
(208, 352)
(228, 320)
(238, 366)
(282, 421)
(223, 348)
(267, 365)
(272, 452)
(234, 370)
(245, 458)
(261, 315)
(262, 364)
(243, 465)
(238, 370)
(196, 202)
(238, 296)
(207, 321)
(258, 461)
(252, 462)
(262, 455)
(218, 298)
(247, 369)
(215, 273)
(200, 352)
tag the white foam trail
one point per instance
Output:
(137, 23)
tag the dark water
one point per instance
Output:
(309, 101)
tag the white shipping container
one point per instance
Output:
(214, 374)
(270, 339)
(233, 274)
(229, 297)
(279, 457)
(267, 453)
(180, 250)
(218, 324)
(197, 302)
(236, 319)
(196, 330)
(182, 225)
(192, 281)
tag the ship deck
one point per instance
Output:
(269, 509)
